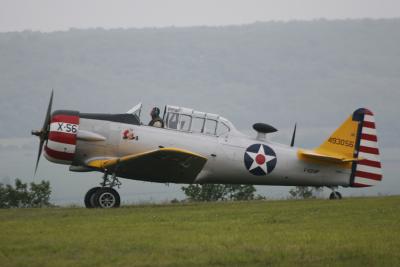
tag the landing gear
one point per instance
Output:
(105, 196)
(335, 195)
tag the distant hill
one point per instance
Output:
(274, 72)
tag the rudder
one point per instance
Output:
(367, 171)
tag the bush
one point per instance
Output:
(215, 192)
(304, 192)
(22, 196)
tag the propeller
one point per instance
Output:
(294, 135)
(43, 133)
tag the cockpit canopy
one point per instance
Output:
(189, 120)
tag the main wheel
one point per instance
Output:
(107, 198)
(338, 195)
(89, 197)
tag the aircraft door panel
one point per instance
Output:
(232, 147)
(114, 139)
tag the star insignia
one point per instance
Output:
(259, 161)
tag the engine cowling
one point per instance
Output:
(62, 136)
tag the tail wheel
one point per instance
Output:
(107, 198)
(335, 195)
(89, 197)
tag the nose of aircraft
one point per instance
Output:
(62, 136)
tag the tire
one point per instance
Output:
(107, 198)
(335, 195)
(89, 197)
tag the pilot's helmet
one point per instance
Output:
(155, 112)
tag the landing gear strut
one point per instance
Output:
(105, 196)
(335, 194)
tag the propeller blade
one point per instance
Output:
(39, 154)
(43, 133)
(48, 113)
(294, 135)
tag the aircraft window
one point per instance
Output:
(184, 122)
(197, 125)
(222, 128)
(172, 120)
(210, 127)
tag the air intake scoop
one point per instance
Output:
(264, 128)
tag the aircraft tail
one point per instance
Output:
(356, 141)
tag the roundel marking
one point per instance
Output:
(260, 159)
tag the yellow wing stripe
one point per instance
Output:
(183, 151)
(97, 163)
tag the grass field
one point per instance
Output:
(350, 232)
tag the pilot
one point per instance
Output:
(156, 121)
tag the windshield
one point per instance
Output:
(136, 110)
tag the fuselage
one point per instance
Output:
(226, 162)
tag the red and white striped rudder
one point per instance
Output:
(368, 170)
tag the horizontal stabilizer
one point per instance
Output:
(318, 156)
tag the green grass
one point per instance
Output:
(350, 232)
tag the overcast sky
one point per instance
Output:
(53, 15)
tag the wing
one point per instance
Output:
(162, 165)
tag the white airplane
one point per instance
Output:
(197, 147)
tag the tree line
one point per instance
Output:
(36, 195)
(235, 192)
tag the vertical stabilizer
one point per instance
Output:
(356, 141)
